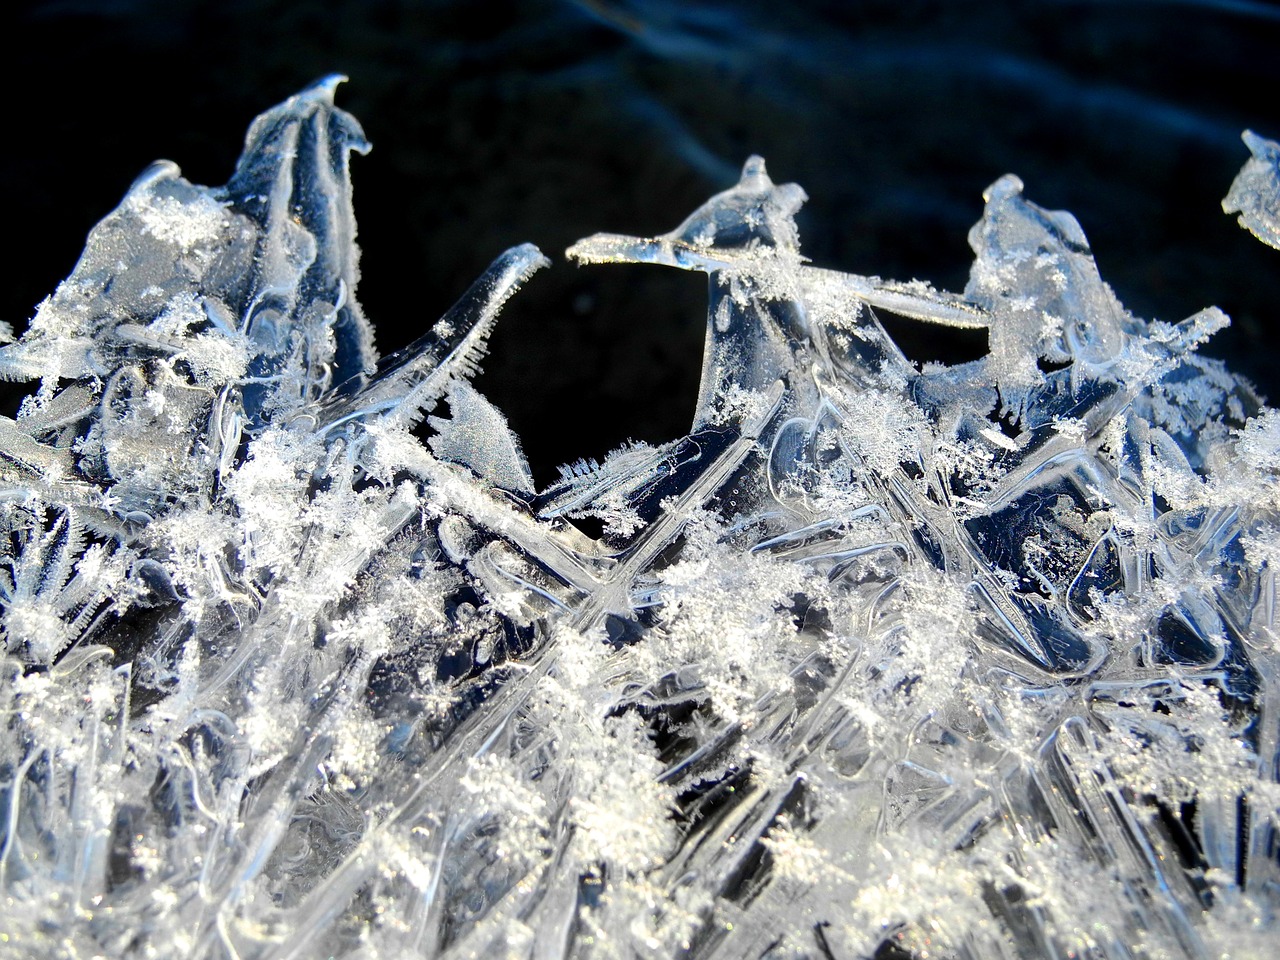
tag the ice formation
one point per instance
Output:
(969, 661)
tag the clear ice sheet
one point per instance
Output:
(972, 661)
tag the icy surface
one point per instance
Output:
(970, 661)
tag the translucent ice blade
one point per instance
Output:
(754, 213)
(252, 283)
(476, 435)
(407, 383)
(913, 300)
(1255, 193)
(745, 239)
(763, 299)
(168, 241)
(1035, 275)
(731, 227)
(293, 181)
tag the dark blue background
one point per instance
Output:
(496, 123)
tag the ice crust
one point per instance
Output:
(970, 661)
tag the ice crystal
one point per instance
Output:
(969, 661)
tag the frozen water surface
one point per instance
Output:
(966, 661)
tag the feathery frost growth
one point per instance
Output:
(970, 661)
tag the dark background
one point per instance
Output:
(495, 123)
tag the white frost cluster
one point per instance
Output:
(966, 661)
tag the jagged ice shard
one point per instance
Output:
(969, 661)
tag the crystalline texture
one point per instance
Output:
(1255, 195)
(974, 661)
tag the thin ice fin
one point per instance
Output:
(732, 226)
(167, 240)
(476, 435)
(264, 269)
(914, 299)
(293, 182)
(407, 383)
(754, 213)
(745, 239)
(1035, 276)
(1255, 193)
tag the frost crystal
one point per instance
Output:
(971, 661)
